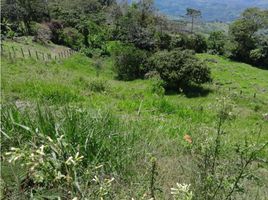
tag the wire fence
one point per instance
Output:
(12, 53)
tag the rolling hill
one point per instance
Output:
(213, 10)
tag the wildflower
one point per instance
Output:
(59, 176)
(70, 161)
(41, 150)
(182, 192)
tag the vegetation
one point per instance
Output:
(141, 110)
(179, 69)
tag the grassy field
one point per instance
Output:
(80, 98)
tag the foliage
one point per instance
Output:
(98, 86)
(216, 42)
(129, 63)
(72, 38)
(220, 174)
(244, 34)
(197, 43)
(56, 28)
(70, 151)
(193, 13)
(179, 69)
(42, 33)
(136, 26)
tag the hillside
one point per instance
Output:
(159, 123)
(212, 10)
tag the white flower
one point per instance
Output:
(70, 161)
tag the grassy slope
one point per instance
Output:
(164, 121)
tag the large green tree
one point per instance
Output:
(244, 32)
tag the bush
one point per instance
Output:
(72, 38)
(197, 43)
(128, 62)
(163, 41)
(216, 42)
(56, 27)
(42, 33)
(179, 69)
(178, 41)
(194, 42)
(98, 86)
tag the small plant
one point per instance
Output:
(182, 192)
(220, 172)
(98, 85)
(157, 86)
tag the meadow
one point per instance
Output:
(80, 133)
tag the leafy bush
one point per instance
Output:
(42, 33)
(98, 85)
(178, 41)
(158, 86)
(179, 69)
(197, 43)
(72, 38)
(128, 62)
(194, 42)
(56, 27)
(163, 41)
(216, 42)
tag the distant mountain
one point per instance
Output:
(212, 10)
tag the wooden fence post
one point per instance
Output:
(43, 56)
(22, 52)
(29, 51)
(36, 53)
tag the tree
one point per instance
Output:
(193, 13)
(244, 33)
(137, 26)
(26, 11)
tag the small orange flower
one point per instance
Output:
(188, 139)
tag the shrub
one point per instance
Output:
(216, 42)
(157, 86)
(197, 43)
(42, 33)
(163, 41)
(56, 27)
(128, 62)
(179, 69)
(178, 41)
(72, 38)
(98, 85)
(194, 42)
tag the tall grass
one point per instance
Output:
(76, 144)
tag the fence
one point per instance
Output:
(12, 53)
(239, 92)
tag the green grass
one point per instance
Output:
(159, 122)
